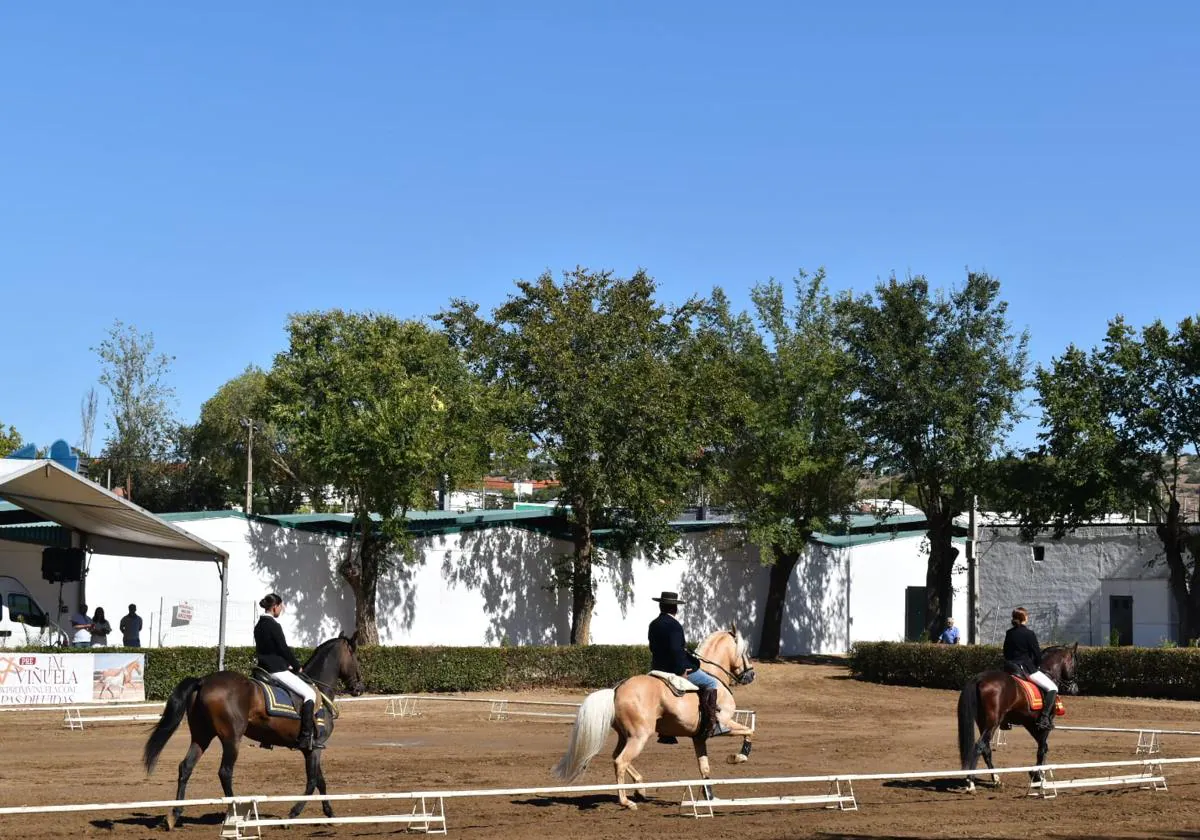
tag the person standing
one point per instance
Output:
(950, 635)
(100, 629)
(131, 628)
(81, 628)
(277, 659)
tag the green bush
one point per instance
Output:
(1168, 673)
(400, 670)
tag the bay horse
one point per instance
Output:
(640, 706)
(228, 705)
(993, 698)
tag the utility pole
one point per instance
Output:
(249, 424)
(972, 578)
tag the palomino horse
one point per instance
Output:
(993, 699)
(116, 680)
(228, 705)
(641, 705)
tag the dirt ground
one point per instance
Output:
(812, 719)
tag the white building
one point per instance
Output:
(487, 578)
(1099, 583)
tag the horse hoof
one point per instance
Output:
(737, 758)
(630, 806)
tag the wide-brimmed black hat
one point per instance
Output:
(668, 598)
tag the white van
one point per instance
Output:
(22, 620)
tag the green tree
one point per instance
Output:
(143, 431)
(10, 440)
(222, 441)
(1118, 425)
(380, 410)
(791, 456)
(937, 380)
(588, 371)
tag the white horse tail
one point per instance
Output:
(592, 723)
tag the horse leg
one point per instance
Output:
(195, 750)
(623, 763)
(1043, 742)
(700, 744)
(634, 775)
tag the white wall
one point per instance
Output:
(880, 573)
(493, 586)
(1067, 592)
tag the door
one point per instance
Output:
(914, 614)
(1120, 620)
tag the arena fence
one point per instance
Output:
(1149, 741)
(428, 809)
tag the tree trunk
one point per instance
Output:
(360, 569)
(781, 573)
(939, 580)
(583, 598)
(1185, 585)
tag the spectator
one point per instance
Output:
(950, 634)
(100, 629)
(81, 628)
(131, 628)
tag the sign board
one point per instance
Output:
(183, 613)
(31, 679)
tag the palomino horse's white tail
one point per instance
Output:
(592, 723)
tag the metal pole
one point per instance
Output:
(250, 468)
(224, 572)
(972, 577)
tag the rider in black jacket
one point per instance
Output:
(277, 659)
(668, 652)
(1023, 656)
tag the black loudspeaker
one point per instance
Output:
(62, 565)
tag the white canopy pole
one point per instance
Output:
(223, 570)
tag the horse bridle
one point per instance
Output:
(743, 677)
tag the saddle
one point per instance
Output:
(679, 685)
(1033, 693)
(282, 702)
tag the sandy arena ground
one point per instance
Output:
(813, 719)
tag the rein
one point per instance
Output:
(733, 678)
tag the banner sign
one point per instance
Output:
(30, 679)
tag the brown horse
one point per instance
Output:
(994, 699)
(228, 705)
(642, 705)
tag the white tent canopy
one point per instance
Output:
(105, 522)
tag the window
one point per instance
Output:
(1039, 553)
(22, 608)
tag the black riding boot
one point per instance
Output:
(307, 726)
(1046, 721)
(710, 721)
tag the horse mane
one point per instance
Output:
(322, 651)
(741, 643)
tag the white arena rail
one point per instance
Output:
(501, 708)
(75, 719)
(428, 811)
(1149, 741)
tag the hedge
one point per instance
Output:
(1167, 673)
(402, 670)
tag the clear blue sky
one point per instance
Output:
(201, 170)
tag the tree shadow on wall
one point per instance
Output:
(815, 611)
(725, 584)
(302, 567)
(516, 572)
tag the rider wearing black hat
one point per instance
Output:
(668, 652)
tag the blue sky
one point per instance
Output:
(202, 170)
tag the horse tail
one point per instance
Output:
(592, 723)
(968, 711)
(177, 706)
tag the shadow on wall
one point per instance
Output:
(515, 573)
(302, 567)
(815, 612)
(724, 584)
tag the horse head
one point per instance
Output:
(729, 651)
(1059, 663)
(348, 668)
(336, 660)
